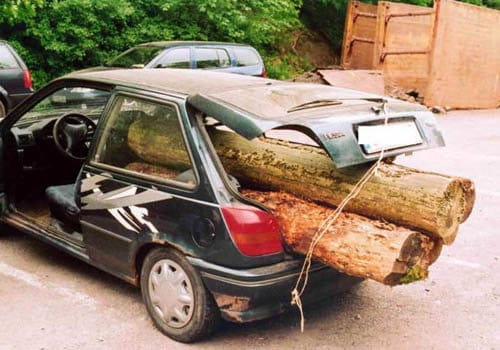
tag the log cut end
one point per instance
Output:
(455, 208)
(469, 190)
(417, 253)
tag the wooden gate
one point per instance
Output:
(449, 54)
(359, 35)
(403, 44)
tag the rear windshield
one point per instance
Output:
(135, 57)
(6, 58)
(279, 99)
(245, 57)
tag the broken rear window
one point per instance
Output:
(276, 100)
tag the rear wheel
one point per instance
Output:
(175, 297)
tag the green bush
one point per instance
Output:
(58, 36)
(286, 65)
(326, 17)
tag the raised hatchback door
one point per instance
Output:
(331, 116)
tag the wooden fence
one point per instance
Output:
(359, 35)
(450, 54)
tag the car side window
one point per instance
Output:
(7, 60)
(145, 137)
(224, 60)
(211, 58)
(245, 57)
(176, 58)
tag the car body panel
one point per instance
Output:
(156, 215)
(254, 294)
(181, 210)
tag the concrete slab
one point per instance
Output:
(371, 81)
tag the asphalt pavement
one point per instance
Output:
(49, 300)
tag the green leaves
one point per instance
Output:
(58, 36)
(14, 10)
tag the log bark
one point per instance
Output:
(433, 203)
(354, 245)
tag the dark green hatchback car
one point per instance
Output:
(84, 175)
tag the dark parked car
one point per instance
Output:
(78, 180)
(223, 57)
(15, 79)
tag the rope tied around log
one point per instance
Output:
(303, 278)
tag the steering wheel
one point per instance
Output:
(72, 133)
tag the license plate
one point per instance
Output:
(375, 138)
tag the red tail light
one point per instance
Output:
(264, 73)
(254, 231)
(28, 83)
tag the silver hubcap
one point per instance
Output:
(171, 293)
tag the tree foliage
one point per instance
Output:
(13, 10)
(58, 36)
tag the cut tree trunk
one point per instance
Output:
(425, 201)
(354, 245)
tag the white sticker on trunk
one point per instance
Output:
(374, 138)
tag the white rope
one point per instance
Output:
(303, 278)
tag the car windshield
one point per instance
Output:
(90, 102)
(136, 57)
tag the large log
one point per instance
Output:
(429, 202)
(354, 245)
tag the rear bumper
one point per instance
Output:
(258, 293)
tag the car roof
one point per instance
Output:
(173, 43)
(179, 81)
(263, 98)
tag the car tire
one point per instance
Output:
(175, 297)
(3, 111)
